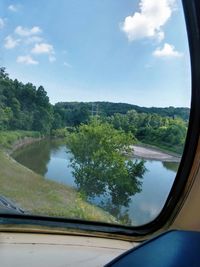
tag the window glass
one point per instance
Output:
(94, 107)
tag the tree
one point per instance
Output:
(57, 121)
(41, 97)
(42, 121)
(3, 74)
(101, 165)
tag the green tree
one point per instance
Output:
(57, 122)
(100, 163)
(42, 121)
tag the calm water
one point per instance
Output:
(50, 159)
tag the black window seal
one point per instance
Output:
(192, 19)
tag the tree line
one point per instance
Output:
(164, 132)
(72, 110)
(25, 107)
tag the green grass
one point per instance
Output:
(8, 138)
(40, 196)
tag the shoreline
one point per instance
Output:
(138, 151)
(22, 143)
(36, 195)
(148, 153)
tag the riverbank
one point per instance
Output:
(13, 140)
(149, 153)
(37, 195)
(22, 143)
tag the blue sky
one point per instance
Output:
(98, 50)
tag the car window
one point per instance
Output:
(94, 107)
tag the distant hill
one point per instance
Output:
(109, 108)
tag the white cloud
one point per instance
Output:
(167, 51)
(28, 60)
(43, 48)
(33, 39)
(10, 42)
(22, 31)
(13, 8)
(148, 22)
(52, 58)
(30, 36)
(2, 23)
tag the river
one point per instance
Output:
(50, 159)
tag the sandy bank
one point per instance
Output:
(154, 154)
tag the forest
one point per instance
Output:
(27, 108)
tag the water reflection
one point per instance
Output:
(157, 184)
(134, 206)
(33, 157)
(36, 156)
(173, 166)
(113, 189)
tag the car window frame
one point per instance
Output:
(176, 196)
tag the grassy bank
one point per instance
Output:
(9, 138)
(37, 195)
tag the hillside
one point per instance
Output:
(110, 108)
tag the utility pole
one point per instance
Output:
(95, 110)
(92, 111)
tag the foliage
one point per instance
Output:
(162, 127)
(164, 132)
(73, 114)
(60, 133)
(23, 106)
(100, 163)
(106, 109)
(7, 138)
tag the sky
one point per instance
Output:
(131, 51)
